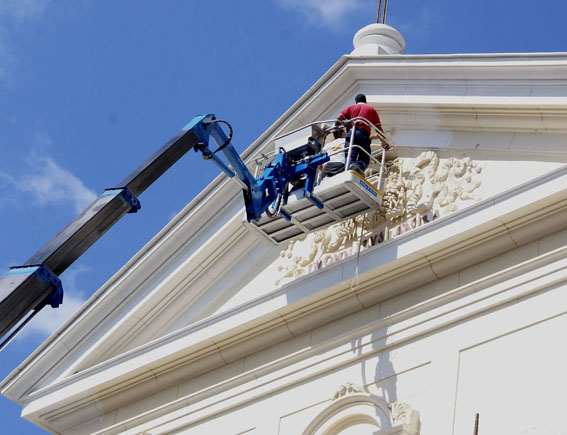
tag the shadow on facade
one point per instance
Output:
(377, 369)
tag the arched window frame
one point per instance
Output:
(356, 407)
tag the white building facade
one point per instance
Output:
(450, 301)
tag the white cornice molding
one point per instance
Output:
(167, 257)
(523, 71)
(498, 117)
(493, 226)
(482, 296)
(348, 74)
(541, 63)
(486, 295)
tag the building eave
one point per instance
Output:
(425, 255)
(346, 74)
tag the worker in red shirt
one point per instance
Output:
(359, 160)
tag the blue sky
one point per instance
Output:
(90, 88)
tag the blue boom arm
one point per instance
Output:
(278, 178)
(27, 289)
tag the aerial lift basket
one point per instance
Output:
(332, 200)
(343, 196)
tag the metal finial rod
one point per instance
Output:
(476, 424)
(382, 12)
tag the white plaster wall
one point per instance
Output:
(258, 271)
(515, 382)
(487, 339)
(430, 347)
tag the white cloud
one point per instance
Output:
(326, 13)
(44, 182)
(49, 319)
(13, 14)
(52, 184)
(19, 10)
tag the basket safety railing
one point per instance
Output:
(336, 125)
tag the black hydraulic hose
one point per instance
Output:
(221, 147)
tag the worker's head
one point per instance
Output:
(360, 98)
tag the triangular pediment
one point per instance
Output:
(468, 130)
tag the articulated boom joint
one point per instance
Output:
(287, 172)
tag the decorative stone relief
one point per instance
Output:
(416, 191)
(347, 388)
(428, 183)
(402, 413)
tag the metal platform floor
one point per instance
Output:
(343, 196)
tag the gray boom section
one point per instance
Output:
(20, 294)
(61, 251)
(149, 171)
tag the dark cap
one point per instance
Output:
(360, 98)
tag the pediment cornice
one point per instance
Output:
(481, 93)
(478, 92)
(431, 252)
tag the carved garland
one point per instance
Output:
(416, 192)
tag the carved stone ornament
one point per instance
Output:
(416, 191)
(402, 413)
(347, 388)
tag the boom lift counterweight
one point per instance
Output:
(286, 191)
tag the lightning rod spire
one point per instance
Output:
(382, 11)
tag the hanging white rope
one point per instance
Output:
(354, 282)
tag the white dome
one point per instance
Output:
(376, 39)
